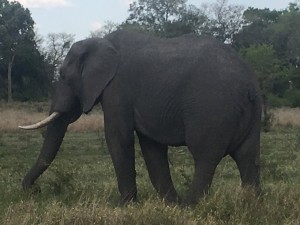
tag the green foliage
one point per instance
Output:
(169, 18)
(16, 25)
(293, 97)
(255, 27)
(275, 101)
(154, 14)
(285, 35)
(265, 64)
(279, 83)
(165, 18)
(20, 60)
(269, 41)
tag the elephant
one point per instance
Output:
(189, 91)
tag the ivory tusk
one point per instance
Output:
(42, 123)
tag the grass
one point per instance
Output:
(16, 114)
(287, 116)
(80, 186)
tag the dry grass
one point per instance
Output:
(286, 117)
(20, 114)
(96, 212)
(92, 122)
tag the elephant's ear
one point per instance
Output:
(99, 67)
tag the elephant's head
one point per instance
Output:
(87, 69)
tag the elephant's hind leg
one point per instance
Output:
(203, 175)
(247, 158)
(156, 158)
(207, 150)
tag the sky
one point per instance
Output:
(81, 17)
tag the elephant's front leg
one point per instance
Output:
(120, 141)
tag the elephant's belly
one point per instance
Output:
(166, 131)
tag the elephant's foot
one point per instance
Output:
(31, 188)
(172, 199)
(191, 200)
(128, 198)
(189, 203)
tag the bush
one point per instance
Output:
(293, 97)
(277, 102)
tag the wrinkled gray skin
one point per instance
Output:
(189, 90)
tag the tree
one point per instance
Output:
(30, 74)
(265, 64)
(191, 20)
(165, 18)
(277, 67)
(58, 45)
(3, 86)
(268, 69)
(16, 27)
(107, 28)
(154, 14)
(255, 29)
(285, 35)
(224, 20)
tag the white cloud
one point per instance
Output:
(44, 3)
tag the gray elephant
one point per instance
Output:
(186, 91)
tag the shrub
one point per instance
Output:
(293, 97)
(276, 101)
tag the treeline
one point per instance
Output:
(28, 63)
(269, 40)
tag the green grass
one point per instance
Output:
(80, 186)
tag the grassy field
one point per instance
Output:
(80, 186)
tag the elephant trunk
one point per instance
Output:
(54, 137)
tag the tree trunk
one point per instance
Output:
(9, 79)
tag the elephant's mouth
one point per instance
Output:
(42, 123)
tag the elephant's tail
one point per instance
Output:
(254, 123)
